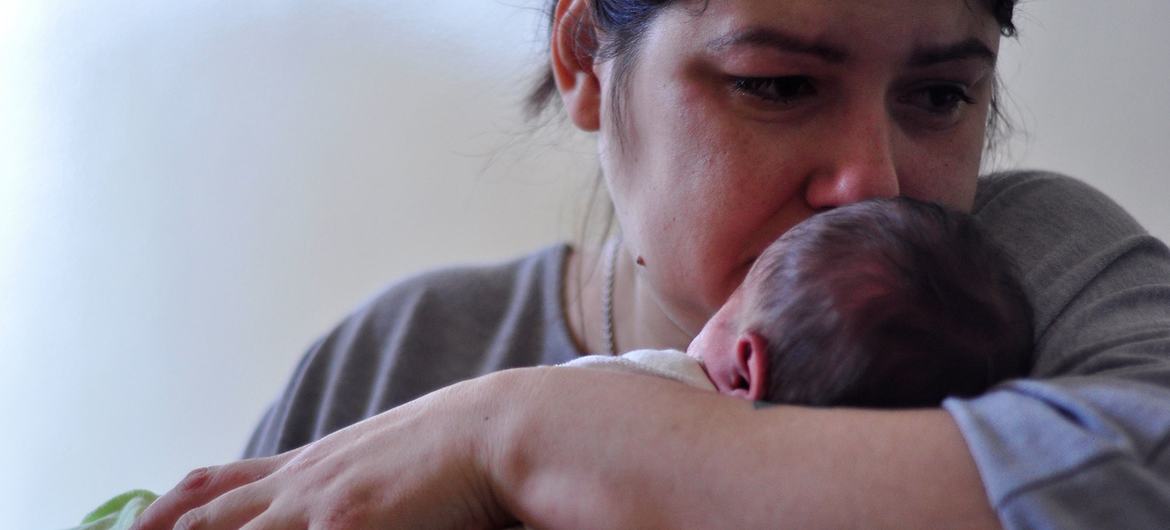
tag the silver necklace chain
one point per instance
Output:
(607, 337)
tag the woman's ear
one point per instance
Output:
(573, 49)
(751, 362)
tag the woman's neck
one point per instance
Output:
(638, 320)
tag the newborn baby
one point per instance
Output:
(882, 303)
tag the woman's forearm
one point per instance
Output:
(607, 450)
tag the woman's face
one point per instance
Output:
(743, 119)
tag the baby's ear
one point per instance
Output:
(751, 361)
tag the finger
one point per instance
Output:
(202, 486)
(229, 511)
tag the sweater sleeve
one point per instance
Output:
(1083, 442)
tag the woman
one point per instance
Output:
(720, 125)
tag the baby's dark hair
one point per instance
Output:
(887, 303)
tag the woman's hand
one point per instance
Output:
(421, 465)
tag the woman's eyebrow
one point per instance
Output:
(971, 48)
(767, 37)
(764, 37)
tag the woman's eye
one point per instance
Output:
(782, 90)
(939, 99)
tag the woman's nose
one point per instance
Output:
(854, 163)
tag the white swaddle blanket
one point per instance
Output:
(671, 364)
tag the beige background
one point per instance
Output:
(191, 192)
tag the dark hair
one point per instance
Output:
(887, 303)
(619, 26)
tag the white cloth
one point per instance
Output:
(671, 364)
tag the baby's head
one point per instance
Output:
(883, 303)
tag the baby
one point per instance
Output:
(883, 303)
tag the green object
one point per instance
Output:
(119, 512)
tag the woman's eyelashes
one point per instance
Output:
(784, 90)
(942, 99)
(935, 104)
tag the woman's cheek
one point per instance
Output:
(949, 180)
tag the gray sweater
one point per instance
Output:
(1083, 443)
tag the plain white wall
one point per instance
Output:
(1087, 82)
(191, 192)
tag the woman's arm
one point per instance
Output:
(564, 448)
(570, 448)
(600, 450)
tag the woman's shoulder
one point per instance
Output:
(1089, 269)
(421, 333)
(510, 311)
(1048, 204)
(475, 287)
(1034, 213)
